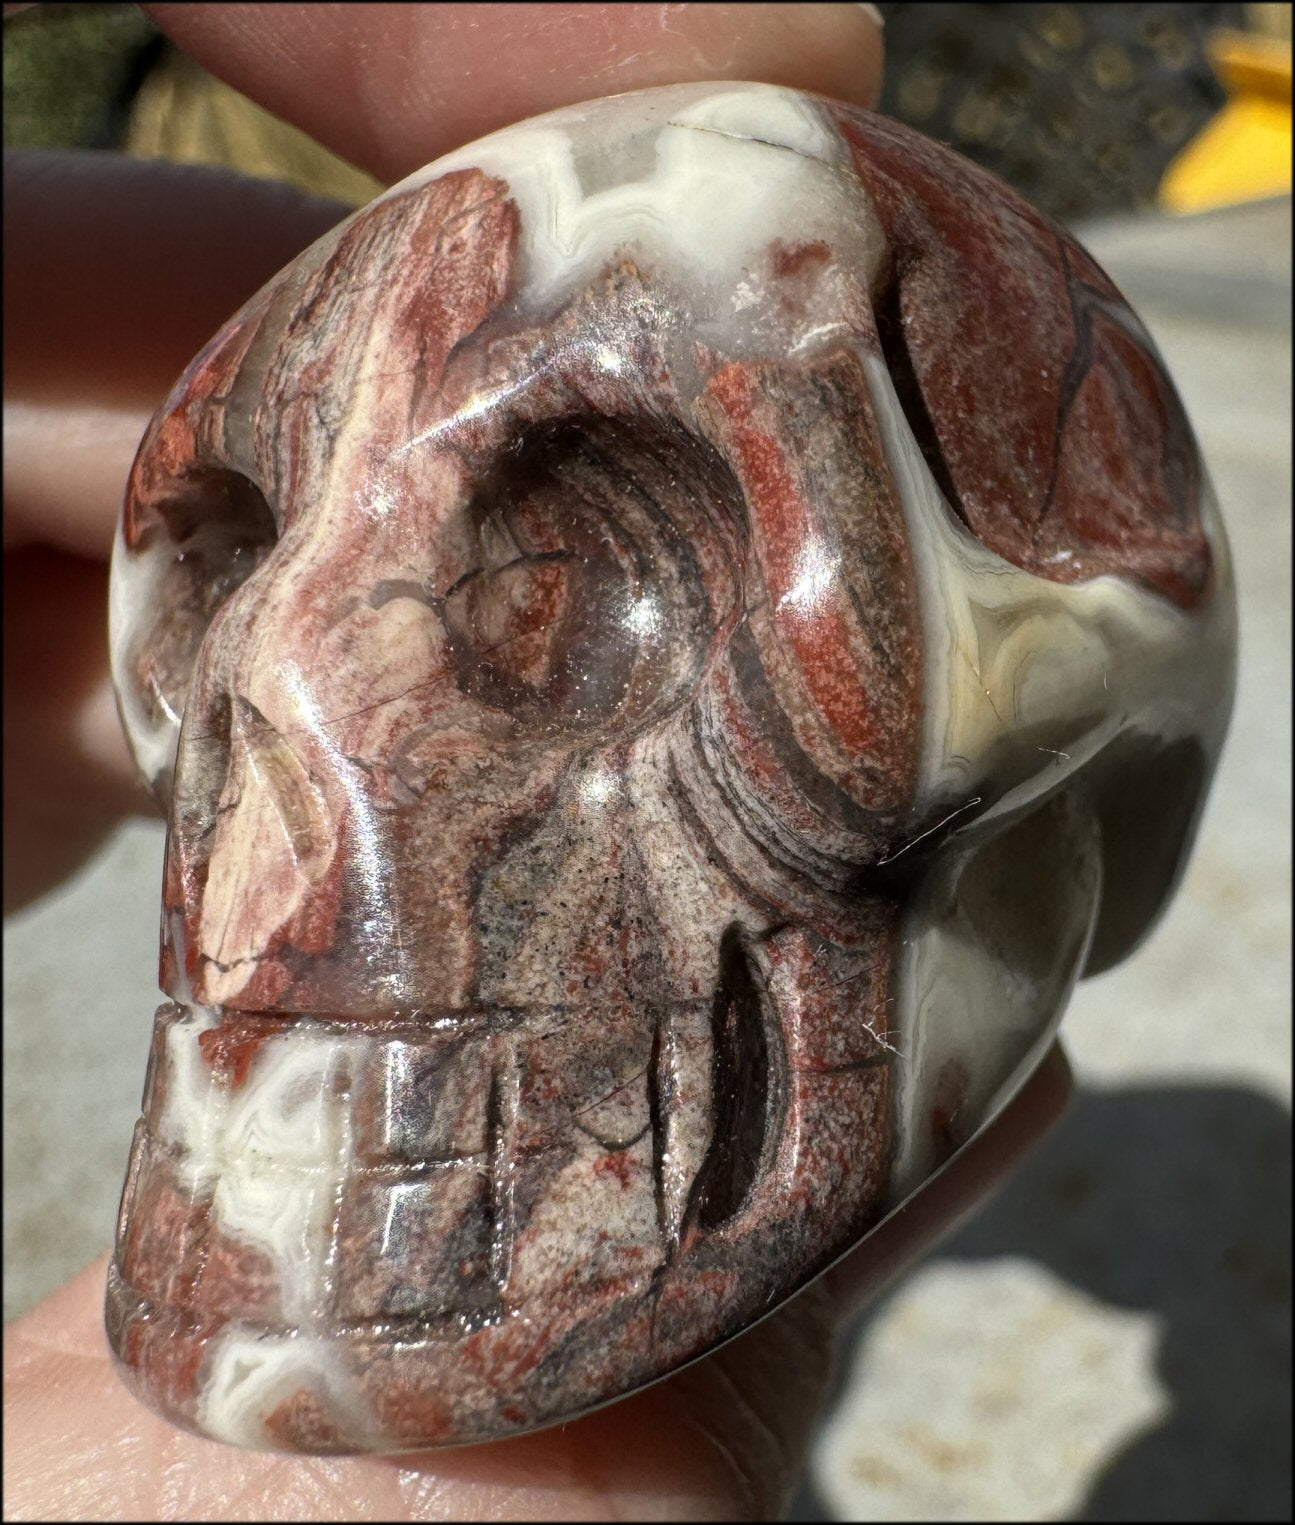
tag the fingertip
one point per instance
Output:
(830, 49)
(392, 87)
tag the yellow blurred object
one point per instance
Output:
(1244, 154)
(184, 114)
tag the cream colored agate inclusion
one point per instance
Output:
(1035, 678)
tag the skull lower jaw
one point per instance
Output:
(345, 1236)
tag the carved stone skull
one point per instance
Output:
(669, 641)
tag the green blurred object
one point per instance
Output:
(71, 73)
(104, 77)
(1081, 108)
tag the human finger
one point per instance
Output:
(960, 1189)
(392, 86)
(116, 272)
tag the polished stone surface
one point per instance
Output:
(235, 1060)
(669, 641)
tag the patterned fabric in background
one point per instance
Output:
(1080, 107)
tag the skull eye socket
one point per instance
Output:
(608, 563)
(192, 546)
(514, 628)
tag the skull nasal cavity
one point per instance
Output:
(200, 535)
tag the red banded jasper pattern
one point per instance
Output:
(636, 631)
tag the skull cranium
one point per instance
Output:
(669, 641)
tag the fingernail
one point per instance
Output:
(873, 14)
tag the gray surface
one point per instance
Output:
(79, 994)
(1111, 1338)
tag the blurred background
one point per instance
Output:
(1110, 1339)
